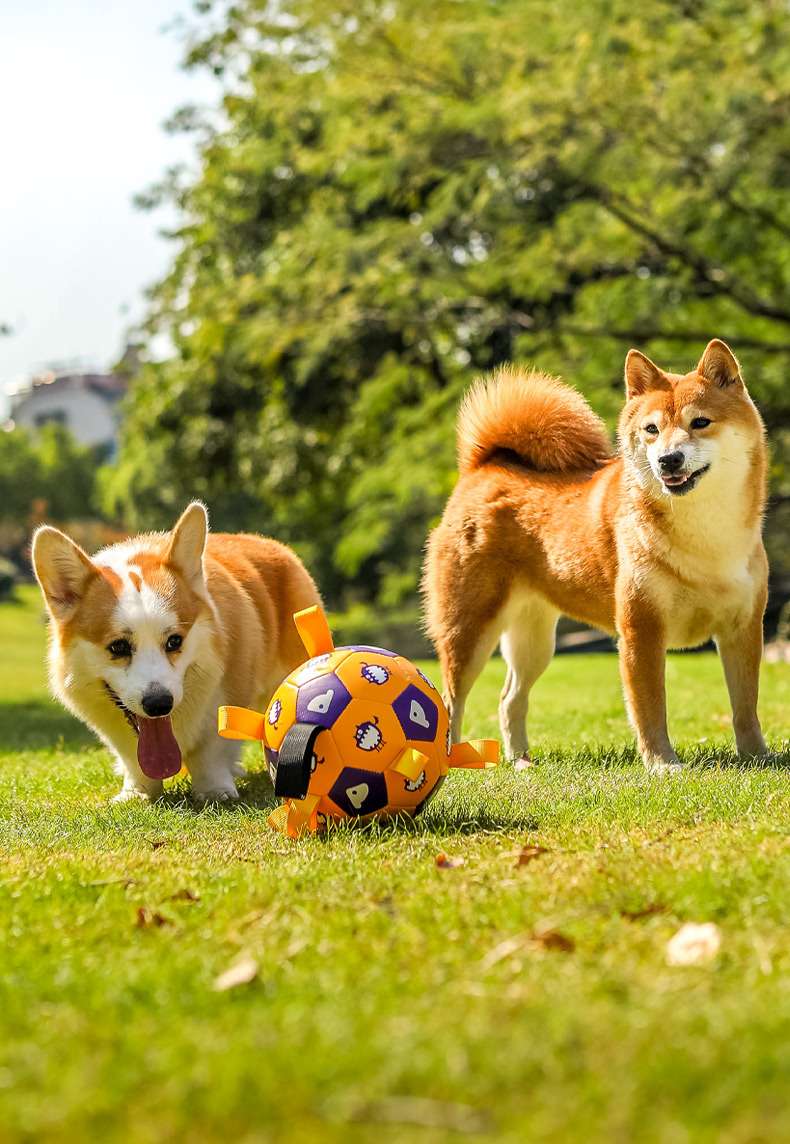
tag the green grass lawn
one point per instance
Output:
(396, 1000)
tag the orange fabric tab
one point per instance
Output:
(411, 763)
(278, 819)
(477, 753)
(311, 623)
(302, 815)
(239, 723)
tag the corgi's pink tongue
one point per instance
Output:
(158, 753)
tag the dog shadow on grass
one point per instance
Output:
(38, 724)
(440, 817)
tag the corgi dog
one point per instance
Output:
(150, 636)
(659, 544)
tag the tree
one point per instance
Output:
(398, 196)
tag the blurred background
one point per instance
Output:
(254, 252)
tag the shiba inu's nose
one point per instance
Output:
(671, 462)
(157, 701)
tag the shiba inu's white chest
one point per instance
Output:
(705, 574)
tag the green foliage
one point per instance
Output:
(399, 195)
(48, 472)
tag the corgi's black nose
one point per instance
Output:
(670, 462)
(157, 701)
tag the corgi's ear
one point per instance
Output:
(62, 569)
(641, 375)
(188, 542)
(720, 365)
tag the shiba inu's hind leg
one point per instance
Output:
(463, 654)
(527, 647)
(465, 623)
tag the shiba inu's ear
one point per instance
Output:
(188, 541)
(641, 375)
(62, 569)
(720, 365)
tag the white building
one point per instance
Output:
(85, 403)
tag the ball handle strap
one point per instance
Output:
(292, 769)
(477, 754)
(313, 628)
(240, 723)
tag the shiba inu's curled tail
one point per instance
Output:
(545, 423)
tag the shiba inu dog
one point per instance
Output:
(660, 544)
(149, 636)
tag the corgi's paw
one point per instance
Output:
(133, 794)
(225, 793)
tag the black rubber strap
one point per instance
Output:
(293, 761)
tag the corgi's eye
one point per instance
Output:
(651, 429)
(120, 649)
(700, 423)
(173, 643)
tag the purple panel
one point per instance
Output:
(321, 700)
(359, 792)
(418, 715)
(366, 647)
(424, 677)
(271, 761)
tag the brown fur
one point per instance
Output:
(542, 522)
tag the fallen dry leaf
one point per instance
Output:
(147, 918)
(503, 950)
(694, 944)
(419, 1112)
(448, 861)
(644, 912)
(125, 882)
(185, 895)
(529, 854)
(241, 972)
(552, 939)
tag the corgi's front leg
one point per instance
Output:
(136, 785)
(214, 765)
(642, 650)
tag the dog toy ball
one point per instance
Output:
(355, 732)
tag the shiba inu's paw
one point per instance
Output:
(524, 763)
(223, 794)
(658, 766)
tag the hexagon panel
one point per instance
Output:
(418, 715)
(322, 700)
(359, 792)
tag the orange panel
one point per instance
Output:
(280, 714)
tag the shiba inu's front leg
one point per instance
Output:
(741, 651)
(642, 668)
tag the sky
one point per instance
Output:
(84, 90)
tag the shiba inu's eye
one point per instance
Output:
(120, 649)
(174, 643)
(700, 423)
(651, 429)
